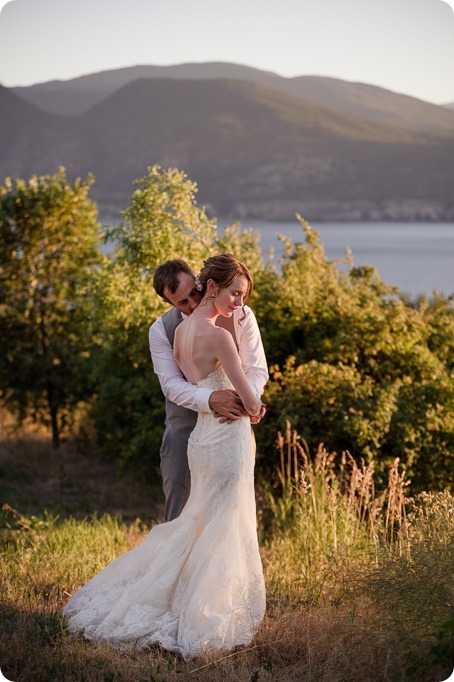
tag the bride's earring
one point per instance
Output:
(210, 297)
(211, 285)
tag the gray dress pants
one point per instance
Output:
(176, 479)
(180, 422)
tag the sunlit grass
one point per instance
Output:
(358, 581)
(384, 557)
(45, 551)
(324, 512)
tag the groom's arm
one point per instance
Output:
(251, 349)
(180, 391)
(173, 383)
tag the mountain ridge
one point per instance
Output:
(77, 95)
(254, 151)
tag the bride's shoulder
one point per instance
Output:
(220, 332)
(215, 335)
(221, 338)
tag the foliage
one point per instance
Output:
(128, 408)
(353, 365)
(162, 221)
(244, 244)
(48, 248)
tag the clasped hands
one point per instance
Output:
(226, 406)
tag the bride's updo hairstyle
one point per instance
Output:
(223, 269)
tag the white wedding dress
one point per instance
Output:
(196, 583)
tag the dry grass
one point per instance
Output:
(72, 480)
(323, 514)
(358, 582)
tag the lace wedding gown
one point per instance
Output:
(195, 583)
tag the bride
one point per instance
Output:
(196, 583)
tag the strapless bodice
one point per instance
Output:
(217, 380)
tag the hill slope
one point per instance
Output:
(80, 94)
(33, 141)
(253, 151)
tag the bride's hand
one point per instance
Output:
(258, 417)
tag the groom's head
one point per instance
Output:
(173, 281)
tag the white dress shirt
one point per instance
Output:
(173, 383)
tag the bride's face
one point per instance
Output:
(231, 297)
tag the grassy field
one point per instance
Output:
(359, 583)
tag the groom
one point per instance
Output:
(174, 282)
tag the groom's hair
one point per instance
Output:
(167, 275)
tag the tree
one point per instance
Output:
(162, 221)
(355, 366)
(49, 238)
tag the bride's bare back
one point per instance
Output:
(200, 346)
(193, 347)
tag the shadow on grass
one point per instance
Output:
(72, 481)
(34, 647)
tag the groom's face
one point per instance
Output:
(185, 297)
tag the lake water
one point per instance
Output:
(417, 257)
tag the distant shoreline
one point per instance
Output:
(417, 257)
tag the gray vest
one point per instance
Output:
(176, 415)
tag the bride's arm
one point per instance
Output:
(227, 354)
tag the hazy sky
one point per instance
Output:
(404, 45)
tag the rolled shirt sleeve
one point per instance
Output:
(252, 354)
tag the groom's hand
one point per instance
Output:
(226, 405)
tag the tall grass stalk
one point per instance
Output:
(333, 541)
(325, 511)
(359, 583)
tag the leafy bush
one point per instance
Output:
(355, 366)
(49, 238)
